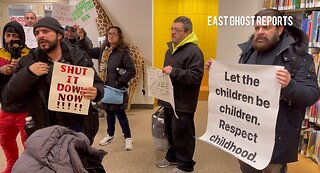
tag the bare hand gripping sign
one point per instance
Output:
(160, 86)
(242, 111)
(67, 81)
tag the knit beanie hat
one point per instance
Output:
(49, 22)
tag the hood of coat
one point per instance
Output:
(192, 38)
(18, 27)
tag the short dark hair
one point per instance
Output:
(187, 24)
(121, 43)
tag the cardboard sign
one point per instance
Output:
(160, 86)
(242, 111)
(84, 13)
(67, 81)
(62, 12)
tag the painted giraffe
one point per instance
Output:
(103, 23)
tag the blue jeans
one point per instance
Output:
(123, 120)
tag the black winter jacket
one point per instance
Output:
(301, 92)
(118, 59)
(4, 79)
(187, 71)
(25, 86)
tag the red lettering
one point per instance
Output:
(60, 87)
(63, 68)
(62, 97)
(76, 80)
(78, 98)
(69, 79)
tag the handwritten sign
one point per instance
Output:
(160, 86)
(21, 20)
(62, 12)
(242, 111)
(84, 13)
(67, 80)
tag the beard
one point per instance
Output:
(263, 43)
(52, 45)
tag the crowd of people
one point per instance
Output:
(26, 77)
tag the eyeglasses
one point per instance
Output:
(176, 30)
(112, 34)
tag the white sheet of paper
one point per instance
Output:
(31, 40)
(242, 111)
(63, 13)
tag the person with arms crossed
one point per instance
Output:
(283, 45)
(184, 63)
(35, 73)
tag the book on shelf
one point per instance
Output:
(310, 145)
(291, 4)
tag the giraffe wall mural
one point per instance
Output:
(103, 23)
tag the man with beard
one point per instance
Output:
(32, 80)
(12, 116)
(284, 46)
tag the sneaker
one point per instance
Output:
(164, 163)
(176, 170)
(106, 140)
(129, 145)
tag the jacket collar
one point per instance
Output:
(192, 38)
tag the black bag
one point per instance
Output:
(158, 129)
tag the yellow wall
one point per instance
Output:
(165, 11)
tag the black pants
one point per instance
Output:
(123, 121)
(181, 137)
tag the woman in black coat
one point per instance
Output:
(116, 69)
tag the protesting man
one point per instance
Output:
(34, 74)
(184, 64)
(284, 46)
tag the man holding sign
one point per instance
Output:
(35, 74)
(283, 45)
(184, 64)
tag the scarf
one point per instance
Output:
(104, 64)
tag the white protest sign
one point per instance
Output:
(242, 111)
(63, 13)
(67, 80)
(84, 13)
(31, 40)
(160, 86)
